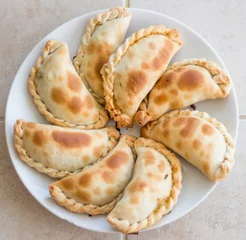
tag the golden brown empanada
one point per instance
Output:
(96, 189)
(184, 83)
(200, 139)
(58, 151)
(104, 33)
(60, 94)
(152, 191)
(133, 70)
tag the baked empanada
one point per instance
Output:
(183, 84)
(152, 191)
(58, 151)
(103, 35)
(60, 94)
(96, 189)
(200, 139)
(133, 70)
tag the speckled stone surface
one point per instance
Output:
(221, 216)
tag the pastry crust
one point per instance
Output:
(50, 47)
(54, 173)
(78, 207)
(164, 205)
(108, 69)
(93, 23)
(226, 166)
(218, 75)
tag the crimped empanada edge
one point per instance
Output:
(54, 173)
(50, 47)
(108, 69)
(91, 26)
(165, 205)
(228, 162)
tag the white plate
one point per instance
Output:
(20, 105)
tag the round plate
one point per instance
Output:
(20, 105)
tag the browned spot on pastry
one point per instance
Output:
(175, 104)
(138, 186)
(190, 128)
(207, 129)
(97, 151)
(165, 133)
(97, 191)
(174, 92)
(165, 81)
(89, 74)
(149, 158)
(108, 176)
(75, 105)
(110, 191)
(27, 133)
(98, 135)
(91, 48)
(83, 196)
(89, 64)
(85, 159)
(62, 51)
(161, 58)
(179, 145)
(206, 168)
(196, 144)
(74, 82)
(190, 80)
(202, 153)
(166, 124)
(67, 183)
(71, 139)
(134, 200)
(39, 138)
(31, 124)
(58, 95)
(136, 82)
(85, 180)
(179, 122)
(117, 160)
(161, 99)
(60, 78)
(162, 166)
(89, 102)
(152, 46)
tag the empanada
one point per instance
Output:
(96, 189)
(60, 94)
(104, 34)
(58, 151)
(133, 70)
(183, 84)
(152, 191)
(200, 139)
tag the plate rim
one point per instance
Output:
(10, 144)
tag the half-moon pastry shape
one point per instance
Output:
(103, 35)
(133, 70)
(184, 83)
(200, 139)
(96, 189)
(59, 92)
(58, 151)
(152, 191)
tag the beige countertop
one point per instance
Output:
(222, 215)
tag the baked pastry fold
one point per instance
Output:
(103, 35)
(96, 189)
(198, 138)
(59, 92)
(152, 191)
(134, 68)
(58, 151)
(184, 83)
